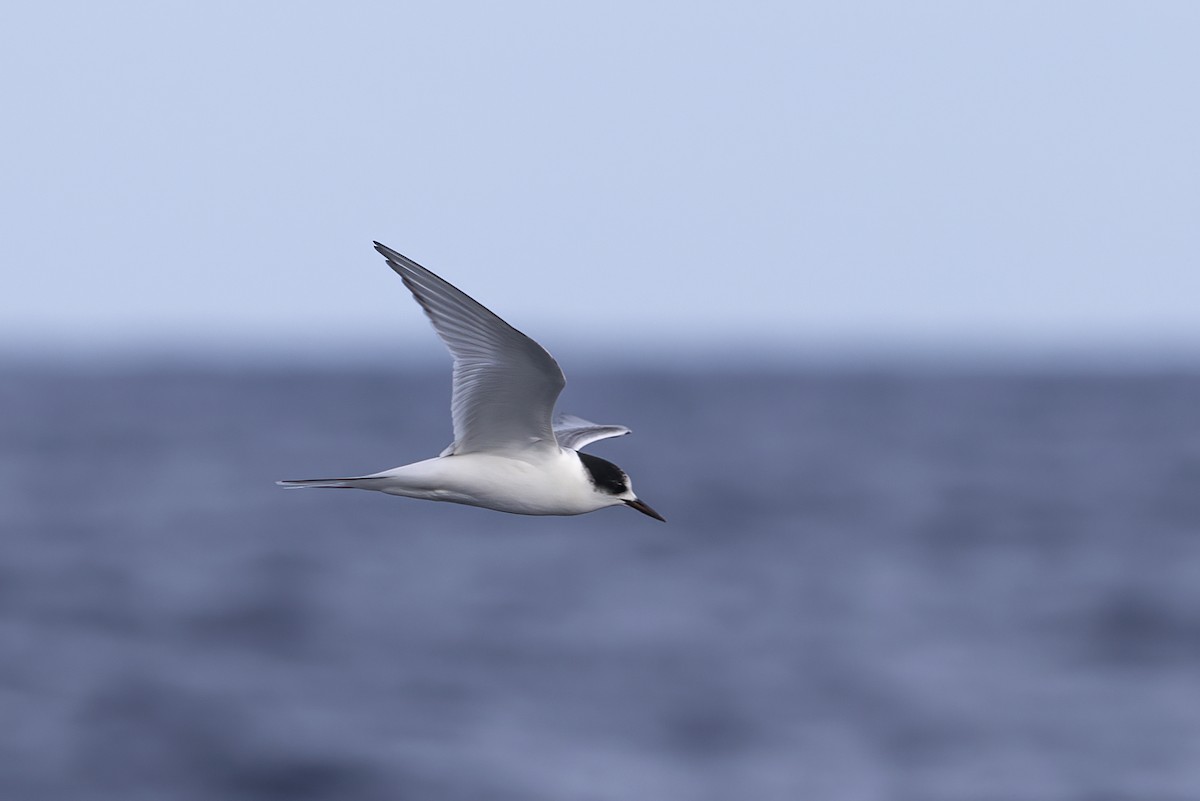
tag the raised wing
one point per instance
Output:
(505, 384)
(575, 432)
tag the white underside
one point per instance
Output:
(545, 482)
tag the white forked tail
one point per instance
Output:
(358, 482)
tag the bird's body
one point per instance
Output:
(542, 483)
(509, 453)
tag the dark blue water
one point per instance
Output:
(872, 586)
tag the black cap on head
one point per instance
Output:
(605, 475)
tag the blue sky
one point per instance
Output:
(632, 177)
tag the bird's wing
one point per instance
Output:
(505, 384)
(575, 432)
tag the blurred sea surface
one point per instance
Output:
(874, 584)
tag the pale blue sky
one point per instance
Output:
(625, 177)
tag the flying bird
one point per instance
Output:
(510, 452)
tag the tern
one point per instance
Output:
(510, 452)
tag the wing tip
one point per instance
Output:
(403, 266)
(392, 256)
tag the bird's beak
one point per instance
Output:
(645, 509)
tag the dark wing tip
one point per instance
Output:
(397, 261)
(387, 252)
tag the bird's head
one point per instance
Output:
(613, 483)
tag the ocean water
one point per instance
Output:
(873, 585)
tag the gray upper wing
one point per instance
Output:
(575, 432)
(505, 384)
